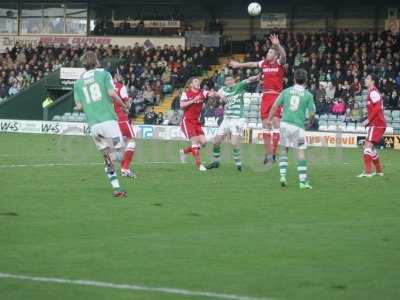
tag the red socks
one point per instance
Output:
(367, 163)
(267, 141)
(128, 155)
(187, 150)
(370, 156)
(127, 159)
(377, 163)
(275, 141)
(196, 154)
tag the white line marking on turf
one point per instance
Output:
(163, 290)
(81, 164)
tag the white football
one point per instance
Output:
(254, 9)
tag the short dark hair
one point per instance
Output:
(374, 78)
(300, 76)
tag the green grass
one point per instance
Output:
(218, 231)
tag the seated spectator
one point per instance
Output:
(394, 102)
(149, 96)
(174, 117)
(14, 89)
(355, 114)
(160, 118)
(150, 117)
(3, 90)
(138, 104)
(356, 87)
(330, 92)
(176, 105)
(338, 107)
(398, 80)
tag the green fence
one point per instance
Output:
(63, 104)
(27, 105)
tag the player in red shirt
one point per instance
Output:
(192, 101)
(273, 72)
(376, 124)
(126, 128)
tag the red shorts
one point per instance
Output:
(191, 128)
(375, 134)
(266, 104)
(126, 129)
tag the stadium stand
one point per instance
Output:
(337, 63)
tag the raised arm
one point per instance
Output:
(278, 47)
(253, 79)
(237, 65)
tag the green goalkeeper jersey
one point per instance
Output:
(234, 99)
(91, 90)
(296, 101)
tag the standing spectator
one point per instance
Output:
(330, 92)
(394, 102)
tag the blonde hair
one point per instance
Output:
(89, 60)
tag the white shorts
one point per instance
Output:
(234, 126)
(107, 135)
(292, 136)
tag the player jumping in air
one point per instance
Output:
(296, 102)
(192, 101)
(94, 92)
(125, 126)
(273, 71)
(234, 121)
(377, 126)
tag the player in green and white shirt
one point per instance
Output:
(234, 122)
(297, 102)
(94, 93)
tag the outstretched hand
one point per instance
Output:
(274, 38)
(234, 64)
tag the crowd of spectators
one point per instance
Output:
(337, 64)
(149, 72)
(138, 26)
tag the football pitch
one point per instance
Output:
(185, 234)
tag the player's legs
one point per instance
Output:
(130, 145)
(186, 128)
(266, 103)
(197, 143)
(297, 138)
(108, 140)
(223, 130)
(283, 153)
(235, 140)
(303, 170)
(377, 163)
(379, 132)
(127, 158)
(236, 129)
(283, 163)
(275, 133)
(218, 139)
(370, 155)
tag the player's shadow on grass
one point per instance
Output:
(8, 214)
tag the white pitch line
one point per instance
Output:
(163, 290)
(83, 164)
